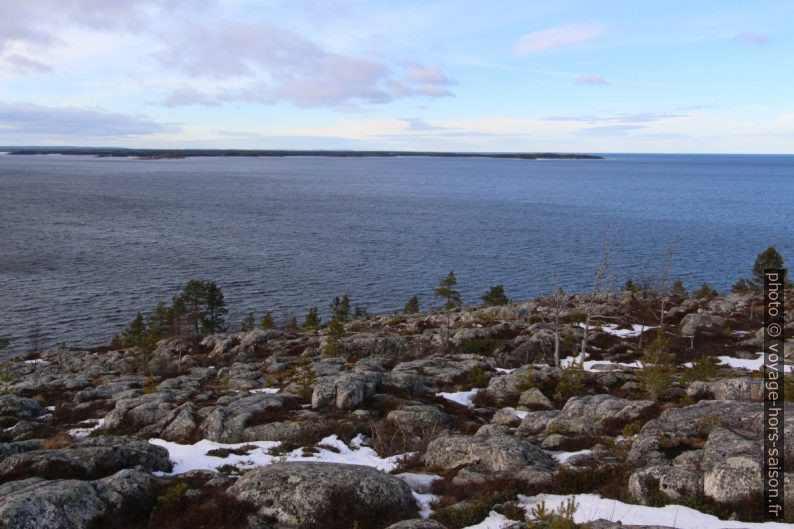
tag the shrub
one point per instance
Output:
(462, 515)
(562, 518)
(267, 322)
(173, 494)
(478, 377)
(412, 305)
(742, 286)
(481, 346)
(333, 343)
(305, 378)
(705, 291)
(658, 366)
(495, 296)
(570, 383)
(312, 320)
(703, 368)
(248, 323)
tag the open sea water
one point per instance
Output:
(86, 242)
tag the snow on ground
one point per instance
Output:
(518, 413)
(493, 521)
(461, 397)
(420, 488)
(79, 433)
(591, 365)
(504, 370)
(611, 328)
(752, 365)
(562, 457)
(329, 450)
(592, 507)
(264, 390)
(36, 361)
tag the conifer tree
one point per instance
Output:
(412, 305)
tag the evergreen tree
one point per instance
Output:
(769, 258)
(135, 334)
(446, 290)
(312, 320)
(340, 307)
(677, 289)
(495, 296)
(214, 318)
(412, 305)
(360, 313)
(305, 378)
(160, 322)
(631, 286)
(267, 321)
(705, 291)
(248, 323)
(333, 343)
(742, 286)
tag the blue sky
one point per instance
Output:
(574, 76)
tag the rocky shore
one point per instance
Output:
(422, 421)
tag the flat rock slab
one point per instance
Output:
(325, 495)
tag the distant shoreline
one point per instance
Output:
(175, 154)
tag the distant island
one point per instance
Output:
(171, 154)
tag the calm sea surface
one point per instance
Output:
(86, 242)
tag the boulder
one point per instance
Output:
(534, 399)
(698, 323)
(13, 408)
(733, 479)
(90, 458)
(598, 414)
(744, 388)
(490, 454)
(226, 423)
(71, 504)
(345, 391)
(316, 495)
(419, 419)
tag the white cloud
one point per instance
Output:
(557, 37)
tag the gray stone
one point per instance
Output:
(302, 495)
(419, 419)
(697, 323)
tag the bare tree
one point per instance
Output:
(36, 339)
(556, 302)
(599, 278)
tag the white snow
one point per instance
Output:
(592, 507)
(36, 361)
(194, 457)
(504, 370)
(461, 397)
(420, 488)
(493, 521)
(752, 365)
(590, 365)
(611, 328)
(518, 413)
(562, 457)
(264, 390)
(79, 433)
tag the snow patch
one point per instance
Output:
(329, 450)
(752, 365)
(493, 521)
(465, 398)
(264, 390)
(562, 457)
(592, 507)
(611, 328)
(420, 488)
(79, 433)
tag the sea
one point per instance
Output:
(86, 242)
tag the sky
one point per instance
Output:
(712, 76)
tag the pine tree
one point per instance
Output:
(248, 323)
(333, 343)
(305, 378)
(312, 320)
(768, 259)
(495, 296)
(214, 318)
(678, 289)
(160, 322)
(340, 307)
(135, 334)
(705, 291)
(267, 322)
(446, 290)
(742, 286)
(412, 305)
